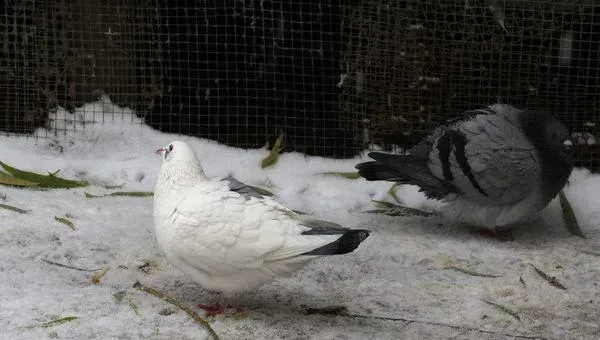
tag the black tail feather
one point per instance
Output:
(343, 245)
(373, 171)
(406, 169)
(398, 168)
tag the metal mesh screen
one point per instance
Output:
(244, 72)
(17, 76)
(333, 77)
(413, 64)
(69, 53)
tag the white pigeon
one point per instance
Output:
(230, 241)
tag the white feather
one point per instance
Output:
(222, 239)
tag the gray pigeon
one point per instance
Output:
(495, 166)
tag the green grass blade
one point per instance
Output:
(469, 272)
(122, 193)
(48, 181)
(119, 295)
(70, 267)
(134, 307)
(522, 282)
(59, 321)
(553, 281)
(392, 192)
(343, 174)
(591, 252)
(392, 209)
(65, 221)
(569, 215)
(472, 273)
(379, 211)
(118, 186)
(261, 191)
(384, 204)
(273, 155)
(173, 301)
(13, 208)
(504, 309)
(6, 179)
(133, 193)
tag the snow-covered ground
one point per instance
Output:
(394, 285)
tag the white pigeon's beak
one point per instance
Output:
(160, 151)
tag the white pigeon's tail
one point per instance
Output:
(349, 240)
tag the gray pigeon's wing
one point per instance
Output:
(487, 157)
(245, 190)
(423, 148)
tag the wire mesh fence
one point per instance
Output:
(413, 64)
(334, 77)
(63, 53)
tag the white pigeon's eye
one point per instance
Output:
(170, 147)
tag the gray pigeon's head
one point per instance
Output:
(555, 148)
(547, 133)
(177, 151)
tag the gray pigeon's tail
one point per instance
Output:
(405, 169)
(374, 171)
(397, 168)
(349, 241)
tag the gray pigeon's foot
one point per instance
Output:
(329, 310)
(502, 234)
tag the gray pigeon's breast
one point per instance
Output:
(481, 214)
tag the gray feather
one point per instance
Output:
(246, 190)
(496, 155)
(408, 170)
(348, 241)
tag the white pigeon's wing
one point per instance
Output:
(222, 231)
(218, 234)
(487, 156)
(246, 190)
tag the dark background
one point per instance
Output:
(333, 77)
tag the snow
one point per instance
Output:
(394, 284)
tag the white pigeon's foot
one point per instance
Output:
(218, 309)
(212, 310)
